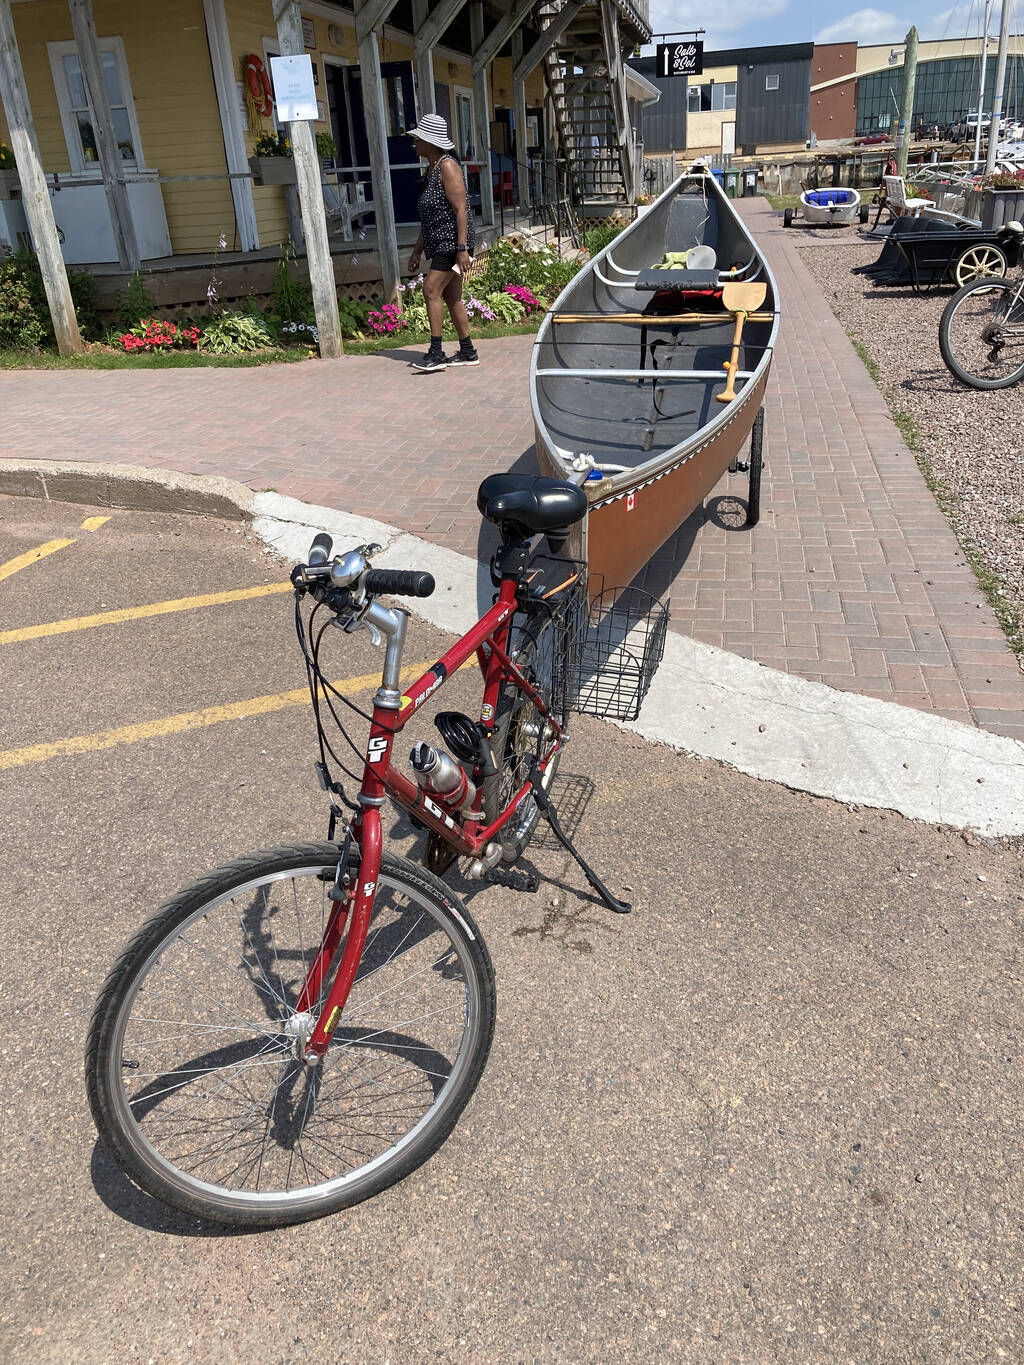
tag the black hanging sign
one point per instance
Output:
(680, 59)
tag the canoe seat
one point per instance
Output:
(650, 281)
(521, 503)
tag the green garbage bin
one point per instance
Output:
(732, 183)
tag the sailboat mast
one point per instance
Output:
(997, 98)
(981, 84)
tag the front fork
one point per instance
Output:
(356, 912)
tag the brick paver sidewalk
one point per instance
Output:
(853, 576)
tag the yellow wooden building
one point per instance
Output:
(175, 75)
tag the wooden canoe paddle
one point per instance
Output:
(739, 299)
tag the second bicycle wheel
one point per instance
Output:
(518, 729)
(193, 1062)
(981, 334)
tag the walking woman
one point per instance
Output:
(446, 238)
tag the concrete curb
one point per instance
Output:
(714, 704)
(127, 486)
(705, 701)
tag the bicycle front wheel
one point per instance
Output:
(981, 334)
(193, 1063)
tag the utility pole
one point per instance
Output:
(997, 98)
(907, 102)
(35, 196)
(311, 197)
(981, 84)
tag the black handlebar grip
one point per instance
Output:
(399, 582)
(320, 550)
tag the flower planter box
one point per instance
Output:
(10, 187)
(272, 170)
(1000, 206)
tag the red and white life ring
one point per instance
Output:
(258, 83)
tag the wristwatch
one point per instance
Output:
(462, 247)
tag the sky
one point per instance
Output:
(752, 23)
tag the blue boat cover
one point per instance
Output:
(825, 198)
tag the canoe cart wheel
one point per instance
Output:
(976, 261)
(787, 218)
(865, 213)
(753, 468)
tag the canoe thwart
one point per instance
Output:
(659, 375)
(657, 319)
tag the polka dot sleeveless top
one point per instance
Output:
(437, 217)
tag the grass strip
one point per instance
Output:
(1006, 613)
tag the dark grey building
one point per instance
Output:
(773, 94)
(772, 97)
(663, 125)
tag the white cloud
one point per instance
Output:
(866, 26)
(668, 16)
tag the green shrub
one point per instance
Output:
(24, 267)
(234, 333)
(292, 298)
(21, 328)
(83, 294)
(598, 238)
(559, 276)
(134, 302)
(505, 307)
(353, 315)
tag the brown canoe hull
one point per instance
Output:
(622, 534)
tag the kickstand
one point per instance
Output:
(551, 815)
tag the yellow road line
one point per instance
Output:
(94, 523)
(31, 557)
(189, 720)
(111, 618)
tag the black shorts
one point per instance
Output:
(445, 262)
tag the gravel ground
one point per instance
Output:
(973, 441)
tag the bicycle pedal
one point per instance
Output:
(515, 881)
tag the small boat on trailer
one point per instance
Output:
(646, 381)
(828, 208)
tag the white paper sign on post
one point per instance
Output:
(294, 91)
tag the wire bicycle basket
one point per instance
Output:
(619, 645)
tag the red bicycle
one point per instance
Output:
(302, 1028)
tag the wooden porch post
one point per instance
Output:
(311, 196)
(522, 137)
(482, 116)
(34, 194)
(224, 78)
(107, 150)
(423, 60)
(369, 12)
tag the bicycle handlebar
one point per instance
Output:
(399, 582)
(320, 550)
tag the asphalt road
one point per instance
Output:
(773, 1114)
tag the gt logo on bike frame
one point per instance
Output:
(376, 748)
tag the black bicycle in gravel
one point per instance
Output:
(981, 333)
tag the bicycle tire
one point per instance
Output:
(956, 364)
(756, 468)
(418, 928)
(513, 747)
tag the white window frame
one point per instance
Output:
(57, 52)
(467, 91)
(774, 78)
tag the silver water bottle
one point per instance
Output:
(440, 776)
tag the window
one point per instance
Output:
(76, 115)
(698, 99)
(464, 122)
(771, 82)
(723, 96)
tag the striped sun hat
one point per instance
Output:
(433, 129)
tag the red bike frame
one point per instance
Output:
(465, 832)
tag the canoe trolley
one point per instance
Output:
(647, 379)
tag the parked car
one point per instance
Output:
(871, 139)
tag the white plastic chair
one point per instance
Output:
(896, 197)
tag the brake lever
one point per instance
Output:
(354, 623)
